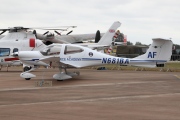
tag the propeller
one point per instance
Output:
(34, 32)
(46, 33)
(69, 32)
(66, 33)
(2, 32)
(98, 36)
(57, 32)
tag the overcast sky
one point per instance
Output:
(141, 20)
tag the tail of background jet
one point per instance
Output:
(107, 37)
(159, 52)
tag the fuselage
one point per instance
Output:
(79, 56)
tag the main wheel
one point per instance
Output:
(27, 78)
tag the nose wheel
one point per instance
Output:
(26, 74)
(27, 68)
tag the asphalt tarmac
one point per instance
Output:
(94, 95)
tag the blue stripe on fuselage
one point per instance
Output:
(148, 61)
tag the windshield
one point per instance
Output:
(4, 52)
(51, 50)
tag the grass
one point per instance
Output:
(173, 65)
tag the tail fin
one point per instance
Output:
(107, 37)
(159, 51)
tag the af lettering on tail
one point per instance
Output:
(152, 54)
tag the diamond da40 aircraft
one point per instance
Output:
(70, 55)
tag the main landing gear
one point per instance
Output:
(65, 75)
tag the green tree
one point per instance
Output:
(138, 43)
(129, 43)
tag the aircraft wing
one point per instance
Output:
(50, 58)
(78, 38)
(54, 61)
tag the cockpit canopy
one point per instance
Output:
(51, 50)
(56, 49)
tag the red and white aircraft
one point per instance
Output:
(17, 40)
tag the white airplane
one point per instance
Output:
(70, 55)
(50, 38)
(18, 39)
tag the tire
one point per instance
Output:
(26, 68)
(27, 78)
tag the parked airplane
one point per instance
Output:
(50, 37)
(14, 42)
(77, 56)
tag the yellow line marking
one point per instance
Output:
(177, 76)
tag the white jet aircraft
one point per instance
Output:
(71, 55)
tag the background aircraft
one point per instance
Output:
(17, 40)
(77, 56)
(50, 38)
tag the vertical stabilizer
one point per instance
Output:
(108, 36)
(159, 51)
